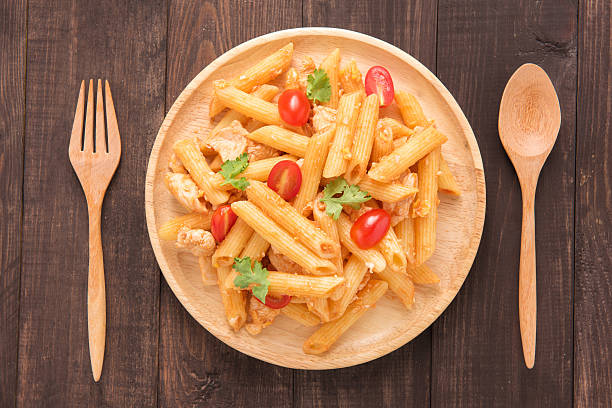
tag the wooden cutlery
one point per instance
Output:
(95, 160)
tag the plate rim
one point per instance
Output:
(184, 96)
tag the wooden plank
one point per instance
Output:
(67, 42)
(593, 290)
(12, 118)
(195, 367)
(477, 355)
(403, 377)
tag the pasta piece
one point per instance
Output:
(312, 168)
(346, 118)
(329, 226)
(397, 129)
(350, 78)
(425, 227)
(260, 169)
(320, 308)
(446, 180)
(234, 301)
(263, 72)
(387, 192)
(422, 275)
(232, 245)
(255, 247)
(247, 104)
(282, 240)
(169, 231)
(363, 140)
(215, 164)
(282, 283)
(331, 67)
(281, 139)
(394, 254)
(191, 157)
(405, 234)
(383, 144)
(300, 313)
(209, 275)
(411, 110)
(400, 284)
(393, 165)
(354, 271)
(296, 224)
(372, 258)
(321, 340)
(265, 92)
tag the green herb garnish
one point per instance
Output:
(257, 275)
(318, 88)
(349, 194)
(231, 168)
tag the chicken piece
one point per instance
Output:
(185, 190)
(259, 317)
(306, 67)
(401, 209)
(350, 78)
(229, 142)
(236, 195)
(292, 80)
(200, 242)
(323, 117)
(281, 263)
(259, 151)
(176, 165)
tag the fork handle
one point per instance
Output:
(527, 278)
(96, 293)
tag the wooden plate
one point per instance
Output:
(389, 325)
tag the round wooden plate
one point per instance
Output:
(387, 326)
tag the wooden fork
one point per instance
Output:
(95, 165)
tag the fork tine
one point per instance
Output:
(89, 121)
(114, 141)
(76, 138)
(100, 134)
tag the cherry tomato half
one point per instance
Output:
(378, 81)
(286, 179)
(223, 219)
(370, 228)
(294, 107)
(276, 303)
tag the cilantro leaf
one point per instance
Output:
(318, 88)
(231, 168)
(257, 275)
(350, 194)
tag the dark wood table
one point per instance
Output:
(156, 353)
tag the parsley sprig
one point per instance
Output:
(318, 88)
(257, 275)
(350, 194)
(231, 168)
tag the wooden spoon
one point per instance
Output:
(529, 120)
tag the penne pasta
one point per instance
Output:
(260, 169)
(263, 72)
(405, 234)
(392, 251)
(346, 118)
(281, 139)
(281, 239)
(411, 110)
(234, 301)
(397, 129)
(321, 340)
(372, 258)
(255, 248)
(312, 168)
(354, 271)
(169, 231)
(388, 192)
(209, 274)
(295, 223)
(363, 140)
(193, 160)
(246, 104)
(331, 66)
(400, 284)
(422, 275)
(350, 78)
(329, 226)
(427, 197)
(300, 313)
(383, 144)
(320, 308)
(446, 180)
(393, 165)
(292, 284)
(232, 245)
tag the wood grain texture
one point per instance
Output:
(593, 292)
(195, 367)
(477, 357)
(67, 42)
(12, 117)
(404, 376)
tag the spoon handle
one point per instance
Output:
(527, 278)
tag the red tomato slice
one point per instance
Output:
(378, 81)
(276, 303)
(294, 107)
(223, 219)
(370, 228)
(286, 179)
